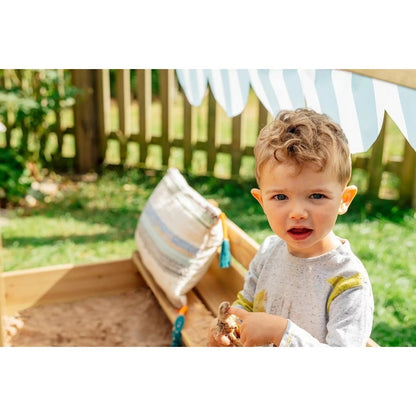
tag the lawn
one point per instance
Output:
(95, 219)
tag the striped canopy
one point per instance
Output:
(356, 102)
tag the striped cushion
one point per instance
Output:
(177, 236)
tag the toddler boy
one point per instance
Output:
(305, 286)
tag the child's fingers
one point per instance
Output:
(218, 341)
(224, 340)
(240, 313)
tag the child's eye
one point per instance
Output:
(317, 196)
(280, 197)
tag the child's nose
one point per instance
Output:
(298, 212)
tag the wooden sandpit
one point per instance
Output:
(102, 304)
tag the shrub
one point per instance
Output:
(15, 179)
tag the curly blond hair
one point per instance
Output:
(304, 136)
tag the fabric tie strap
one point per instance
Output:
(225, 256)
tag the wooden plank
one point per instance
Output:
(212, 132)
(237, 128)
(263, 116)
(220, 284)
(144, 94)
(58, 114)
(405, 77)
(242, 246)
(197, 319)
(167, 78)
(407, 175)
(360, 161)
(86, 129)
(394, 165)
(103, 110)
(67, 283)
(189, 132)
(375, 163)
(123, 101)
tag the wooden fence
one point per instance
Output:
(128, 123)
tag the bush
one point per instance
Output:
(29, 101)
(15, 179)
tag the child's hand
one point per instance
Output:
(217, 341)
(260, 328)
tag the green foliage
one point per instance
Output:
(28, 102)
(15, 178)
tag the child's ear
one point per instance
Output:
(257, 194)
(347, 197)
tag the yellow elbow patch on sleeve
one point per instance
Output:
(341, 284)
(242, 301)
(259, 304)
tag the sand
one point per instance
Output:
(131, 319)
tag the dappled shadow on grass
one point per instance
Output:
(74, 238)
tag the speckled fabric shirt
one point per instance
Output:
(327, 299)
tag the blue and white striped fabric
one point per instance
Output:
(177, 236)
(195, 82)
(355, 101)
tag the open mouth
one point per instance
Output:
(300, 233)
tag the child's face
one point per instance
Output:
(302, 207)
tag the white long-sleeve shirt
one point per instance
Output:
(327, 300)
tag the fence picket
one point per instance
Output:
(144, 95)
(375, 163)
(263, 116)
(188, 133)
(124, 105)
(166, 90)
(85, 120)
(237, 127)
(103, 110)
(212, 133)
(408, 176)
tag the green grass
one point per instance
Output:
(383, 237)
(95, 220)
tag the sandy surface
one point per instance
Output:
(130, 319)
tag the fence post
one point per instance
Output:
(237, 127)
(58, 114)
(262, 116)
(103, 109)
(375, 163)
(85, 121)
(167, 78)
(124, 106)
(212, 133)
(408, 176)
(188, 132)
(144, 94)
